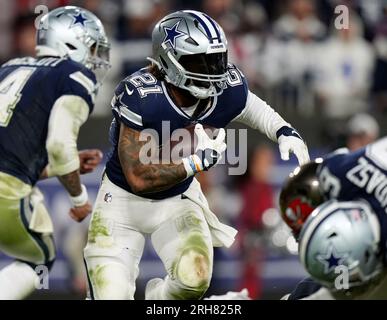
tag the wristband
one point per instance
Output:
(79, 201)
(192, 165)
(287, 132)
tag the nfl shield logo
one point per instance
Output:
(108, 197)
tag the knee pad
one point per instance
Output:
(194, 269)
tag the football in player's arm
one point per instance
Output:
(188, 84)
(43, 103)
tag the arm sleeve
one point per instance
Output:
(257, 114)
(67, 115)
(305, 288)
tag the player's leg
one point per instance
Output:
(114, 249)
(19, 220)
(184, 245)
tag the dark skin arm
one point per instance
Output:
(145, 178)
(89, 160)
(72, 183)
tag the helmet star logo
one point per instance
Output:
(171, 34)
(79, 18)
(331, 259)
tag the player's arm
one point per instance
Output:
(89, 159)
(144, 178)
(67, 115)
(257, 114)
(148, 178)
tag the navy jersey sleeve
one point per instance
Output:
(126, 105)
(236, 79)
(77, 80)
(235, 96)
(232, 101)
(304, 289)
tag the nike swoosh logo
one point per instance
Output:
(129, 92)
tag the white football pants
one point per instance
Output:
(179, 233)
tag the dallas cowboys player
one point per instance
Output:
(43, 103)
(343, 176)
(342, 246)
(188, 84)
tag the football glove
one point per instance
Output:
(289, 141)
(208, 152)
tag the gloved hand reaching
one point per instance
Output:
(208, 151)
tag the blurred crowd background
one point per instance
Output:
(330, 83)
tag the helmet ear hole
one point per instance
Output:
(332, 235)
(190, 40)
(70, 46)
(93, 48)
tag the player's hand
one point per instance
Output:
(81, 212)
(81, 205)
(89, 159)
(290, 141)
(208, 151)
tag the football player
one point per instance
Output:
(43, 103)
(344, 176)
(342, 246)
(189, 83)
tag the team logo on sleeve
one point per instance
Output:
(171, 34)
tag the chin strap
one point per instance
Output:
(202, 93)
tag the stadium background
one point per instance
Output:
(330, 84)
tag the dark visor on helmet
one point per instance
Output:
(211, 64)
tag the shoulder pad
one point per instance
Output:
(126, 105)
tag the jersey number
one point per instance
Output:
(10, 89)
(233, 78)
(145, 79)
